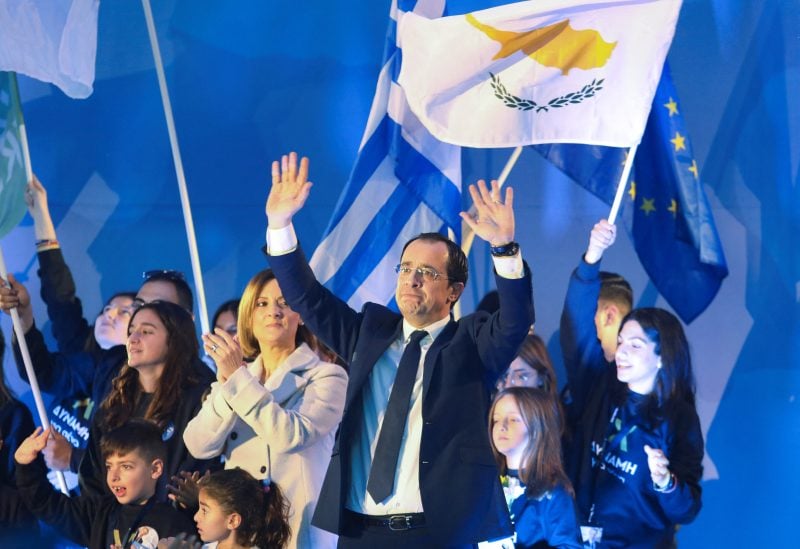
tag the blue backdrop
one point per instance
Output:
(250, 80)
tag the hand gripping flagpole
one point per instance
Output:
(26, 359)
(176, 157)
(20, 333)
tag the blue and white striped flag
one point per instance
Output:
(404, 182)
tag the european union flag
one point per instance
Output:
(673, 228)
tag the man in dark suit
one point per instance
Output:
(412, 465)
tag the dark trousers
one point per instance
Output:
(357, 535)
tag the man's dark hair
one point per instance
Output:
(185, 295)
(617, 290)
(136, 435)
(457, 266)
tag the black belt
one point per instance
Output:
(394, 523)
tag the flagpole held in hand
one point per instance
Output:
(26, 358)
(623, 183)
(23, 346)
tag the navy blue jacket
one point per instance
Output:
(69, 374)
(613, 475)
(460, 368)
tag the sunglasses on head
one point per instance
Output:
(163, 274)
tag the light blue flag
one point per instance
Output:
(12, 166)
(404, 182)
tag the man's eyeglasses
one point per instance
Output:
(163, 274)
(428, 274)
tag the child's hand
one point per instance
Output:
(31, 446)
(57, 453)
(184, 490)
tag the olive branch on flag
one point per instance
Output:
(515, 102)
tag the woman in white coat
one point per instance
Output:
(276, 417)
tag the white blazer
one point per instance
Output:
(282, 430)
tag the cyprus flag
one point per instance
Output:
(543, 71)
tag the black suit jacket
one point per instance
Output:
(461, 494)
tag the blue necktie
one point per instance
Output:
(387, 451)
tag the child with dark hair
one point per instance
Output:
(524, 429)
(238, 511)
(134, 461)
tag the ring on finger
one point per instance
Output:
(214, 348)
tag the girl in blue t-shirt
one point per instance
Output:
(526, 439)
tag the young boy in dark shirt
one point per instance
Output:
(134, 460)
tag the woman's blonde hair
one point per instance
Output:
(247, 307)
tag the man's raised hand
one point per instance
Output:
(494, 217)
(290, 189)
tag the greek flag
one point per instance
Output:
(404, 182)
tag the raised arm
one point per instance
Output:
(69, 327)
(580, 346)
(499, 338)
(57, 373)
(72, 517)
(328, 317)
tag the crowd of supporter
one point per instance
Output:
(298, 422)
